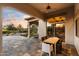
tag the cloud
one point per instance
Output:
(12, 16)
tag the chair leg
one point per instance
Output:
(51, 47)
(49, 53)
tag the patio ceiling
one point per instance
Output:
(54, 6)
(57, 9)
(39, 9)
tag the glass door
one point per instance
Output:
(56, 27)
(56, 30)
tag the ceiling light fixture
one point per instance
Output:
(48, 7)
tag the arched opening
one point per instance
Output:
(15, 33)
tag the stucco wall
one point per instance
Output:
(76, 39)
(42, 28)
(69, 29)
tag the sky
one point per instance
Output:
(13, 16)
(11, 12)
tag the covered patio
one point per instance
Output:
(50, 15)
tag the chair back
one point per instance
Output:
(45, 47)
(43, 38)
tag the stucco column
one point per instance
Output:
(0, 29)
(69, 29)
(42, 28)
(28, 30)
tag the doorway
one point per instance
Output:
(56, 28)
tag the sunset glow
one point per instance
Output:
(12, 16)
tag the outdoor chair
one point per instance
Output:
(44, 38)
(47, 48)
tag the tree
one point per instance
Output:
(20, 28)
(33, 29)
(11, 27)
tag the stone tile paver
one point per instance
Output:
(20, 46)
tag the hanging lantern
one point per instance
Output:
(51, 20)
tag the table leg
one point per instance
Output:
(55, 48)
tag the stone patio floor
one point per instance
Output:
(21, 46)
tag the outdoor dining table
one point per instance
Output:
(52, 40)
